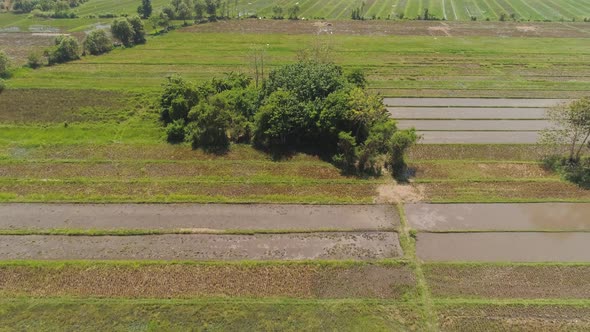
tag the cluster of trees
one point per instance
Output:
(571, 129)
(129, 30)
(307, 106)
(278, 13)
(47, 8)
(198, 10)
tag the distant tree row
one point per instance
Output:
(292, 12)
(307, 106)
(129, 31)
(47, 8)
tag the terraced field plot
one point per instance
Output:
(396, 65)
(507, 217)
(473, 121)
(196, 217)
(451, 10)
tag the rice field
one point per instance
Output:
(451, 10)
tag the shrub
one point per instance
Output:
(66, 49)
(175, 131)
(128, 30)
(98, 42)
(2, 85)
(4, 65)
(34, 60)
(208, 128)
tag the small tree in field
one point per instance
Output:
(123, 31)
(66, 49)
(294, 12)
(571, 127)
(145, 9)
(98, 42)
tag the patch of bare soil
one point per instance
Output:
(291, 246)
(205, 217)
(188, 280)
(508, 281)
(399, 193)
(512, 317)
(407, 28)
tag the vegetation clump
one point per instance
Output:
(307, 106)
(4, 65)
(98, 42)
(66, 49)
(571, 129)
(129, 30)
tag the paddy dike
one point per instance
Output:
(400, 113)
(212, 217)
(293, 246)
(504, 247)
(499, 217)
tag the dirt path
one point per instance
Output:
(504, 247)
(197, 216)
(502, 217)
(357, 246)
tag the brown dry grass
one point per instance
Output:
(141, 152)
(524, 152)
(508, 281)
(58, 105)
(172, 170)
(398, 28)
(185, 281)
(503, 191)
(150, 191)
(469, 170)
(516, 317)
(18, 46)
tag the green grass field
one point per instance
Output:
(395, 65)
(452, 10)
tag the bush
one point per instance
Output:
(66, 49)
(34, 60)
(128, 30)
(208, 128)
(4, 65)
(2, 85)
(98, 42)
(175, 131)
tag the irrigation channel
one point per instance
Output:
(473, 120)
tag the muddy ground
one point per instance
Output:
(562, 281)
(478, 125)
(479, 137)
(512, 317)
(197, 280)
(466, 113)
(399, 28)
(522, 216)
(504, 247)
(197, 216)
(293, 246)
(472, 102)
